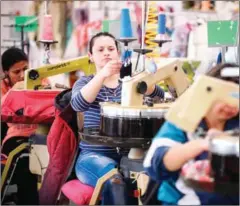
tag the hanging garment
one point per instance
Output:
(83, 31)
(179, 42)
(24, 114)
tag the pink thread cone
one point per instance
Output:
(47, 34)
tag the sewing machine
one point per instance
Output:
(189, 109)
(34, 77)
(169, 70)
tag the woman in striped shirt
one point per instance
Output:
(96, 160)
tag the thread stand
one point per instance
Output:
(126, 41)
(161, 42)
(161, 37)
(142, 51)
(47, 44)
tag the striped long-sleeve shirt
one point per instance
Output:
(92, 110)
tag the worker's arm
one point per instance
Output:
(178, 155)
(169, 151)
(86, 90)
(155, 91)
(167, 137)
(91, 90)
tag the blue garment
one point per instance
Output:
(170, 191)
(96, 160)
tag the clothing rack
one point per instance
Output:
(9, 15)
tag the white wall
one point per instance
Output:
(11, 7)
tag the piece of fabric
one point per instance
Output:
(199, 170)
(83, 30)
(179, 44)
(24, 109)
(77, 192)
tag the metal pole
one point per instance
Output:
(22, 37)
(143, 32)
(224, 54)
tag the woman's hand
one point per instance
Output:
(92, 88)
(202, 145)
(111, 68)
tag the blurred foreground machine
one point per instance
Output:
(186, 113)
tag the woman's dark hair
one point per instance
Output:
(12, 56)
(216, 72)
(91, 43)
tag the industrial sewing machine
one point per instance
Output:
(34, 77)
(186, 113)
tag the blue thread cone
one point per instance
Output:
(125, 24)
(126, 55)
(161, 24)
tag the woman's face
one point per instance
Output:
(223, 111)
(16, 72)
(104, 49)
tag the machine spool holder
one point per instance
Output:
(47, 43)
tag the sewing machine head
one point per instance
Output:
(191, 107)
(167, 69)
(34, 77)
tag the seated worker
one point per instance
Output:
(14, 63)
(95, 160)
(171, 149)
